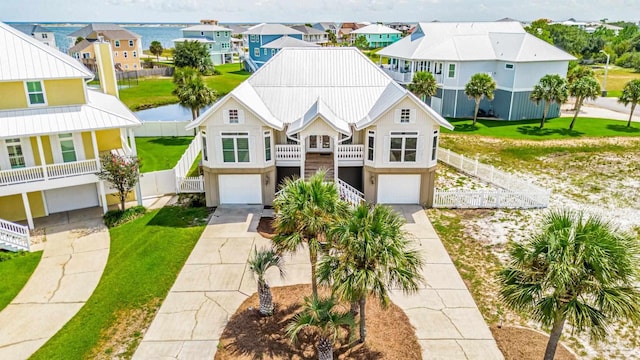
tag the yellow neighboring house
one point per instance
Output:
(53, 129)
(126, 46)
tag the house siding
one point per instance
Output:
(12, 207)
(13, 95)
(64, 92)
(524, 108)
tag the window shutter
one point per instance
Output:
(240, 116)
(253, 155)
(79, 146)
(412, 115)
(396, 117)
(387, 149)
(225, 116)
(420, 156)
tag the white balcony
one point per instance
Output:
(48, 172)
(407, 77)
(351, 155)
(348, 155)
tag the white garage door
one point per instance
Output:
(71, 198)
(399, 189)
(240, 189)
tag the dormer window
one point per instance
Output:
(35, 93)
(233, 116)
(405, 116)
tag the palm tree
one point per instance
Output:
(630, 95)
(191, 90)
(480, 85)
(156, 49)
(584, 88)
(259, 263)
(320, 314)
(371, 257)
(577, 72)
(424, 85)
(304, 211)
(579, 270)
(552, 88)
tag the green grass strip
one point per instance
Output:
(145, 258)
(161, 153)
(15, 273)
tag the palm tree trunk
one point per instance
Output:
(325, 349)
(545, 111)
(363, 323)
(266, 299)
(575, 115)
(313, 258)
(475, 112)
(355, 308)
(193, 114)
(554, 338)
(633, 107)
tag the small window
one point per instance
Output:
(253, 38)
(16, 156)
(205, 151)
(452, 71)
(116, 43)
(131, 43)
(234, 118)
(35, 93)
(115, 53)
(124, 53)
(273, 52)
(201, 33)
(265, 51)
(126, 66)
(405, 116)
(135, 66)
(256, 52)
(134, 53)
(210, 46)
(217, 33)
(371, 140)
(44, 36)
(434, 146)
(267, 146)
(508, 66)
(67, 147)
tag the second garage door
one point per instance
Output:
(240, 189)
(71, 198)
(399, 189)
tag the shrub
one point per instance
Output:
(119, 217)
(628, 60)
(6, 256)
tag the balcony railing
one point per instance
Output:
(288, 152)
(345, 152)
(53, 171)
(407, 77)
(350, 152)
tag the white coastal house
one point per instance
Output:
(313, 108)
(454, 52)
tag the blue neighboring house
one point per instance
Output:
(265, 40)
(217, 38)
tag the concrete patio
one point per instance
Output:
(216, 280)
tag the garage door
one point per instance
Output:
(399, 189)
(71, 198)
(240, 189)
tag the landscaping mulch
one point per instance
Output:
(251, 336)
(265, 227)
(523, 344)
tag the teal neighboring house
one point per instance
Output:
(217, 38)
(377, 35)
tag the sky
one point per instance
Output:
(302, 11)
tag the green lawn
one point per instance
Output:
(617, 77)
(156, 91)
(15, 273)
(145, 258)
(161, 153)
(557, 128)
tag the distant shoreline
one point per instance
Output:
(126, 24)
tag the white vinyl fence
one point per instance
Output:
(163, 128)
(512, 192)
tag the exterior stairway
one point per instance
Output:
(13, 237)
(317, 161)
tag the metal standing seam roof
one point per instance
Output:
(506, 41)
(113, 31)
(342, 82)
(25, 58)
(376, 29)
(271, 29)
(102, 111)
(287, 41)
(319, 109)
(203, 27)
(308, 30)
(30, 29)
(198, 39)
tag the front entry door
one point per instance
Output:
(319, 143)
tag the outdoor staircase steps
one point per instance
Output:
(317, 161)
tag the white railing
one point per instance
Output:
(492, 199)
(350, 152)
(72, 169)
(14, 236)
(349, 194)
(186, 160)
(192, 184)
(288, 152)
(22, 175)
(529, 195)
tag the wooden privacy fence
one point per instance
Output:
(512, 192)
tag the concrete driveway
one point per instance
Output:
(216, 280)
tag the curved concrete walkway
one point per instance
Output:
(215, 281)
(75, 254)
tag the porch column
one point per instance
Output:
(335, 159)
(43, 163)
(139, 192)
(132, 142)
(124, 142)
(94, 143)
(103, 197)
(303, 156)
(27, 210)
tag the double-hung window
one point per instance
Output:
(116, 43)
(371, 140)
(434, 146)
(35, 91)
(16, 156)
(403, 146)
(205, 150)
(124, 53)
(235, 147)
(67, 147)
(134, 53)
(130, 43)
(256, 52)
(267, 146)
(452, 71)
